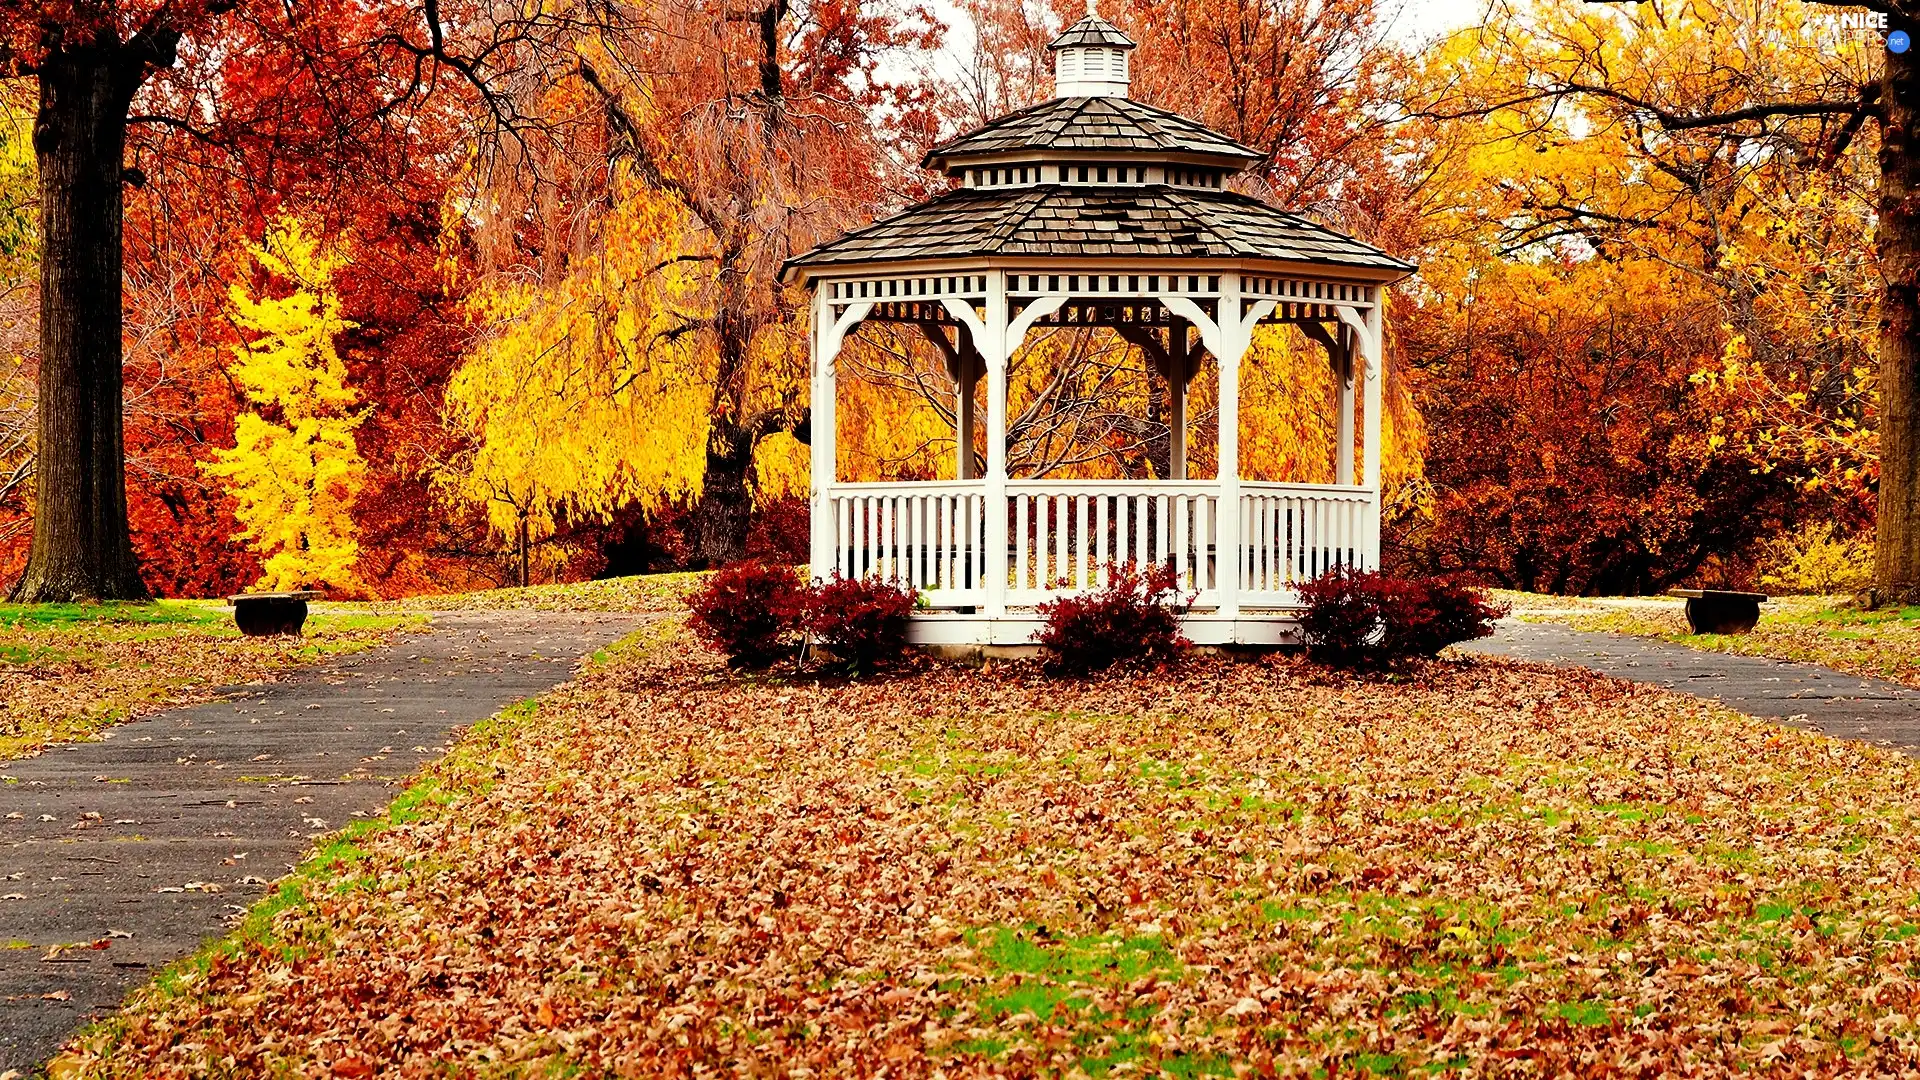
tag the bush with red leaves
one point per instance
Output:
(862, 621)
(1369, 621)
(1133, 618)
(750, 611)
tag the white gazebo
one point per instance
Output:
(1099, 211)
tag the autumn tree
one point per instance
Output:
(1737, 141)
(751, 126)
(294, 468)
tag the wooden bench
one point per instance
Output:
(260, 614)
(1721, 611)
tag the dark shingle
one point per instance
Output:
(1092, 30)
(1084, 124)
(1132, 223)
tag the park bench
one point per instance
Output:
(260, 614)
(1721, 611)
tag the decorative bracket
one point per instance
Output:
(1039, 309)
(1212, 334)
(837, 333)
(1369, 345)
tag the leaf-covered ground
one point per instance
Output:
(1823, 630)
(68, 670)
(669, 870)
(647, 592)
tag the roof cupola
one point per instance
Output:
(1090, 59)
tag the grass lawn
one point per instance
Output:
(665, 868)
(1824, 630)
(69, 670)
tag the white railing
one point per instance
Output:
(1064, 534)
(1290, 533)
(930, 535)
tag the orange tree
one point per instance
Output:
(1644, 337)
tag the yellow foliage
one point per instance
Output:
(1818, 560)
(294, 479)
(590, 392)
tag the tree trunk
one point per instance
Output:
(726, 505)
(1896, 570)
(81, 547)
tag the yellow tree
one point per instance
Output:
(294, 470)
(587, 394)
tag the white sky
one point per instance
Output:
(1408, 22)
(1419, 20)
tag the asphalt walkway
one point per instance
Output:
(122, 855)
(1846, 706)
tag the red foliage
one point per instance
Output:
(1571, 454)
(862, 621)
(750, 611)
(1133, 618)
(1369, 621)
(780, 530)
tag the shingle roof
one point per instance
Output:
(1092, 30)
(1104, 124)
(1126, 222)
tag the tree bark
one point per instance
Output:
(81, 546)
(1896, 571)
(726, 504)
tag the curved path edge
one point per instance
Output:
(151, 839)
(1807, 695)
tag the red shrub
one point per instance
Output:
(863, 621)
(1135, 617)
(1434, 613)
(750, 611)
(1365, 620)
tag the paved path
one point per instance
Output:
(1847, 706)
(154, 837)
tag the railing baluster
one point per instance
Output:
(1083, 574)
(979, 519)
(1062, 560)
(1206, 549)
(1101, 558)
(1181, 508)
(908, 535)
(1161, 531)
(840, 536)
(1142, 507)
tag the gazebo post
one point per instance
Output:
(828, 334)
(1179, 371)
(1343, 441)
(992, 348)
(1234, 337)
(820, 437)
(1375, 348)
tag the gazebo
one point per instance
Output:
(1095, 210)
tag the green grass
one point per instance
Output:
(150, 613)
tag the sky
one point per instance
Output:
(1419, 20)
(1409, 22)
